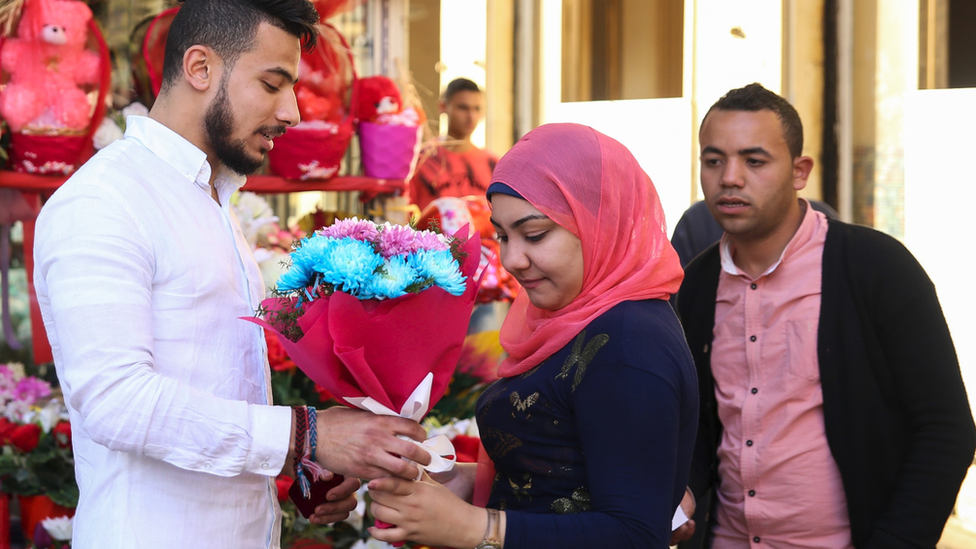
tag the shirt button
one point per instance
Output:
(753, 286)
(265, 465)
(752, 493)
(755, 539)
(754, 390)
(207, 465)
(748, 443)
(752, 338)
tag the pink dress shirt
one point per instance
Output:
(779, 484)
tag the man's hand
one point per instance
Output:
(341, 501)
(364, 445)
(686, 530)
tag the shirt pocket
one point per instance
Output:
(801, 349)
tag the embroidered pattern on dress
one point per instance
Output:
(523, 405)
(578, 503)
(498, 443)
(522, 490)
(581, 357)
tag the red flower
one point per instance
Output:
(284, 484)
(62, 434)
(6, 427)
(324, 394)
(466, 448)
(26, 437)
(277, 357)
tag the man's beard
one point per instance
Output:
(219, 125)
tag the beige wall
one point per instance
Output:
(652, 48)
(803, 82)
(425, 52)
(499, 76)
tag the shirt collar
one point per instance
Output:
(802, 234)
(185, 157)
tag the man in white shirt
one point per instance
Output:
(142, 274)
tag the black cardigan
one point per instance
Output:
(897, 417)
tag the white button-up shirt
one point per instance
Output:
(141, 278)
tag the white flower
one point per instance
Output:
(135, 109)
(453, 429)
(253, 213)
(50, 414)
(270, 265)
(17, 369)
(59, 528)
(108, 131)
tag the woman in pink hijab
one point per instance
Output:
(592, 425)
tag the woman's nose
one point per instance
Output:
(513, 257)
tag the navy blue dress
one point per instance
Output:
(592, 447)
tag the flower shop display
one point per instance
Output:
(50, 69)
(389, 134)
(314, 148)
(36, 461)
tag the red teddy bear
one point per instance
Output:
(47, 63)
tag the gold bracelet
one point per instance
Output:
(492, 533)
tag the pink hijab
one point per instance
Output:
(592, 186)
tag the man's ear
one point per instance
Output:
(802, 166)
(441, 106)
(199, 64)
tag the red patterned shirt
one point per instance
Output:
(447, 173)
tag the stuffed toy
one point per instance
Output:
(376, 96)
(48, 63)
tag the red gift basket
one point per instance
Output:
(314, 149)
(149, 36)
(49, 77)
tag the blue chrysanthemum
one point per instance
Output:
(348, 263)
(442, 267)
(392, 279)
(302, 269)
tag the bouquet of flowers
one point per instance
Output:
(377, 314)
(35, 440)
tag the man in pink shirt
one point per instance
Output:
(833, 413)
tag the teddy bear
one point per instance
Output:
(376, 96)
(48, 63)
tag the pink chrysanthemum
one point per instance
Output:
(397, 240)
(427, 240)
(355, 228)
(31, 389)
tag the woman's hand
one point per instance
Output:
(341, 501)
(686, 530)
(459, 480)
(425, 512)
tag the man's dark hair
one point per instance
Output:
(229, 28)
(754, 98)
(459, 85)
